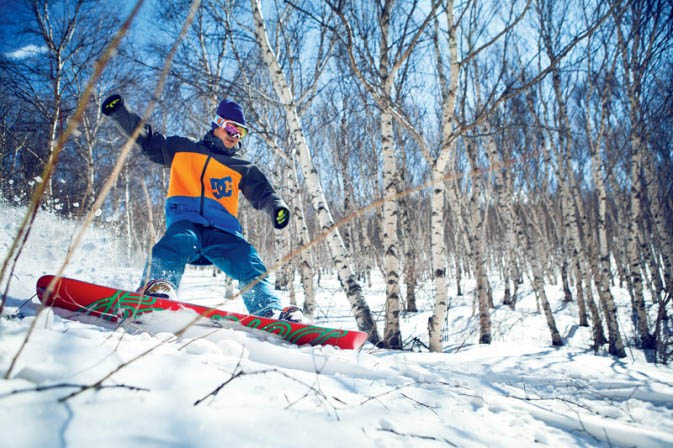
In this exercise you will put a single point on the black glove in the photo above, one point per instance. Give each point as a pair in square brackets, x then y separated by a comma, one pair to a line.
[281, 218]
[112, 104]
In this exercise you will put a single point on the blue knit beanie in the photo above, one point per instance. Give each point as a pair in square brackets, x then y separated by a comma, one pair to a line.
[231, 111]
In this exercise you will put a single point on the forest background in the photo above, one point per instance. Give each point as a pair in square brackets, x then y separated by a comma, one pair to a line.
[430, 140]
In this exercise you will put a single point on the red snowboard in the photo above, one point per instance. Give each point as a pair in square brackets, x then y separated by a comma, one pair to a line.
[112, 304]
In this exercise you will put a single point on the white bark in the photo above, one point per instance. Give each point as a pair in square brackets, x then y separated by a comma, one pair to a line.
[448, 88]
[382, 94]
[535, 257]
[306, 269]
[597, 252]
[662, 239]
[579, 255]
[596, 322]
[538, 285]
[392, 337]
[438, 254]
[634, 246]
[633, 67]
[410, 243]
[601, 270]
[339, 255]
[478, 252]
[504, 195]
[579, 288]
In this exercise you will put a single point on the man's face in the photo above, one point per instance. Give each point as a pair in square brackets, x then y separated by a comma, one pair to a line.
[228, 140]
[230, 133]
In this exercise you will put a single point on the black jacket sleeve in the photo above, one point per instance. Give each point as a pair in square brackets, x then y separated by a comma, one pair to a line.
[257, 189]
[158, 148]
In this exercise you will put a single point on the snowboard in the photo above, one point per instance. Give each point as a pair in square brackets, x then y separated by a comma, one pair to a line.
[115, 304]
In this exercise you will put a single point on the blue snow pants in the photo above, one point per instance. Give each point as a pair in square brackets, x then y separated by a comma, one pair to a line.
[184, 242]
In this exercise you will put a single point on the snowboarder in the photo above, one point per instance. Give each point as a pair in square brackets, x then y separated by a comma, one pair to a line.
[202, 206]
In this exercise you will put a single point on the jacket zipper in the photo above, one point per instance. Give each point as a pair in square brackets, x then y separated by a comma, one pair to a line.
[203, 186]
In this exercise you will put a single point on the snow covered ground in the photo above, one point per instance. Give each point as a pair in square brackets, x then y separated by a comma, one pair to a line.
[235, 388]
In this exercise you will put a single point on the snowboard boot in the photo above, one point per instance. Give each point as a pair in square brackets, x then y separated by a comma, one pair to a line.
[291, 313]
[162, 289]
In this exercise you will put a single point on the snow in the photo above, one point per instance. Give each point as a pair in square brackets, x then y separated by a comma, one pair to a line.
[211, 387]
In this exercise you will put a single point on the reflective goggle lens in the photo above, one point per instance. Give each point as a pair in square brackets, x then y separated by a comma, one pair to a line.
[235, 131]
[231, 127]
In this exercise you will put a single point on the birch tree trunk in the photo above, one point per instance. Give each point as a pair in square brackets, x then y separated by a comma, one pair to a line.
[450, 131]
[501, 198]
[282, 243]
[538, 286]
[579, 252]
[634, 247]
[305, 263]
[634, 65]
[570, 230]
[662, 239]
[392, 338]
[438, 257]
[595, 253]
[601, 270]
[306, 270]
[596, 322]
[56, 114]
[478, 252]
[410, 260]
[381, 90]
[129, 217]
[581, 301]
[340, 258]
[448, 89]
[85, 149]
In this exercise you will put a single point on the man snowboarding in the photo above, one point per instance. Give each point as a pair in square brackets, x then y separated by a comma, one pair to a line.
[202, 206]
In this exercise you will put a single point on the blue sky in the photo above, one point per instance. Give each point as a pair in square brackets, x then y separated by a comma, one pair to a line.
[15, 18]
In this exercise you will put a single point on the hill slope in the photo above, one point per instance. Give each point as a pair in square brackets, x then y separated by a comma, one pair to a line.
[241, 388]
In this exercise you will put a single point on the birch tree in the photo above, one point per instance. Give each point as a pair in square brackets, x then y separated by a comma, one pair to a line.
[340, 258]
[642, 36]
[392, 337]
[300, 233]
[378, 76]
[477, 230]
[385, 103]
[563, 140]
[68, 37]
[597, 255]
[450, 131]
[87, 143]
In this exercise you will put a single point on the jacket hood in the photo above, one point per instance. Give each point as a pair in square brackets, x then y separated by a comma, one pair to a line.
[215, 144]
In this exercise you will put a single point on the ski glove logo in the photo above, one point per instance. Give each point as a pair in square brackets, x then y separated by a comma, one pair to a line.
[281, 218]
[111, 104]
[221, 187]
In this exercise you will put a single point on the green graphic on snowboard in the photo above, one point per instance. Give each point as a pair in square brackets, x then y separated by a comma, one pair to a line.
[122, 305]
[128, 305]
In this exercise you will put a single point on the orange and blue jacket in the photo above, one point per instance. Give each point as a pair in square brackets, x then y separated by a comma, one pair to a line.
[205, 177]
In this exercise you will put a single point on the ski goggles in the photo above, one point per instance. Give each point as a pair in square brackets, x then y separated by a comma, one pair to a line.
[232, 128]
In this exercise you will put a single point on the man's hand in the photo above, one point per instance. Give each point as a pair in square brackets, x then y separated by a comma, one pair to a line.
[111, 104]
[281, 218]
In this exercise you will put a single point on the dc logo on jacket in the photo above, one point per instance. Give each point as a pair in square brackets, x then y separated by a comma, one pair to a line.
[221, 187]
